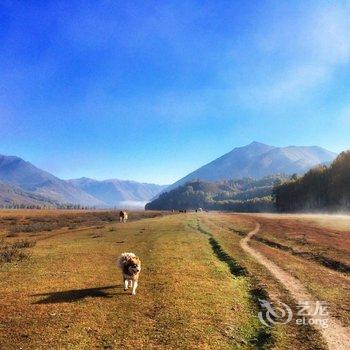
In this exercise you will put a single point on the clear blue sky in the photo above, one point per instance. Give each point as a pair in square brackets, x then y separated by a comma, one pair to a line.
[150, 91]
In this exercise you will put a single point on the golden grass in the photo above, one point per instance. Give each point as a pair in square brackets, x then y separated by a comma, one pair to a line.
[69, 294]
[323, 283]
[229, 230]
[315, 237]
[15, 223]
[338, 222]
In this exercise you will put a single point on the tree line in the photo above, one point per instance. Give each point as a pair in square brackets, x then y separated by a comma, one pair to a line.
[245, 195]
[321, 188]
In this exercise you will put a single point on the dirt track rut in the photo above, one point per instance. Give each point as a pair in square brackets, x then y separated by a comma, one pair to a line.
[335, 335]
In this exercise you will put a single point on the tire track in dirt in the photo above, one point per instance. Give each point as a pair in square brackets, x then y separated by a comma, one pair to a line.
[335, 335]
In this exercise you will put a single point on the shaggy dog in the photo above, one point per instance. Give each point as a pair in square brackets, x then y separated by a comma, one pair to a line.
[123, 216]
[130, 265]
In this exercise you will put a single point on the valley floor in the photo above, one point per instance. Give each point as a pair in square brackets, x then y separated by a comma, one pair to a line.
[199, 288]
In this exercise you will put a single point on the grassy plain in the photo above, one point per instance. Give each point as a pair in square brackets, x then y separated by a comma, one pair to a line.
[198, 288]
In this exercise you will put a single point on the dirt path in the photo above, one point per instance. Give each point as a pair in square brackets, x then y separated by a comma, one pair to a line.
[336, 336]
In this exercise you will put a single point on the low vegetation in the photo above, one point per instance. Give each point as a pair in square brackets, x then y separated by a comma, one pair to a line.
[12, 252]
[304, 237]
[16, 222]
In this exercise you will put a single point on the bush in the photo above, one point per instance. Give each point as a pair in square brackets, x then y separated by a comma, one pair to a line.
[10, 252]
[24, 243]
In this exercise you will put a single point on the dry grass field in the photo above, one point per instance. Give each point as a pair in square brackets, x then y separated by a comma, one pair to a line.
[198, 288]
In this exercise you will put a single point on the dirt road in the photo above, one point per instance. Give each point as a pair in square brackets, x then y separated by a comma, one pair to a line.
[336, 336]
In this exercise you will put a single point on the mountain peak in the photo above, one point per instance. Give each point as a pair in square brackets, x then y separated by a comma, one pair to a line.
[256, 143]
[257, 160]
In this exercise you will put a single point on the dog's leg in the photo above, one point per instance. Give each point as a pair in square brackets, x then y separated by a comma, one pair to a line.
[131, 283]
[134, 288]
[126, 284]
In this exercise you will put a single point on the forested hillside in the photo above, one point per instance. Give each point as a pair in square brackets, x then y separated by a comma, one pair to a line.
[235, 195]
[321, 188]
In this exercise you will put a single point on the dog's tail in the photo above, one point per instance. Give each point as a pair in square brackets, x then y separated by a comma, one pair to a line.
[124, 258]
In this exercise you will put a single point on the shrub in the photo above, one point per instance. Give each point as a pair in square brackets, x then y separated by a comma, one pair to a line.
[10, 252]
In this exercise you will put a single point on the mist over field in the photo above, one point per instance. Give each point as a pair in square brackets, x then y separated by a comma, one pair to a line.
[132, 205]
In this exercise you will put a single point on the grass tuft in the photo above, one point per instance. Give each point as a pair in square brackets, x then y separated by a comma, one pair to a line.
[10, 252]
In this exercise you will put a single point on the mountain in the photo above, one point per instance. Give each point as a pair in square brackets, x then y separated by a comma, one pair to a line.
[257, 160]
[114, 191]
[236, 195]
[23, 183]
[12, 195]
[24, 175]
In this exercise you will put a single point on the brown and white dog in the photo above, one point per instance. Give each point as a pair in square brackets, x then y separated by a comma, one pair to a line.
[130, 265]
[123, 216]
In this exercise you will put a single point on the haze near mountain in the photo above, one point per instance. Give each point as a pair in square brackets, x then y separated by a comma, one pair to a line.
[113, 191]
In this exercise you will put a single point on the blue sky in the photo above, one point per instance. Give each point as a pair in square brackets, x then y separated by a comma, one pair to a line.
[150, 91]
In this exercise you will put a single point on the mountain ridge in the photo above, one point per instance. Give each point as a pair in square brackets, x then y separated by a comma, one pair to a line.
[20, 173]
[22, 181]
[257, 160]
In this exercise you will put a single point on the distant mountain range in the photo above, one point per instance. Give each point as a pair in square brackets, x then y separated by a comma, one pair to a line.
[24, 175]
[258, 160]
[113, 191]
[23, 183]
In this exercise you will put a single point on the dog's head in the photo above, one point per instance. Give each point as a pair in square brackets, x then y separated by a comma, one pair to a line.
[133, 265]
